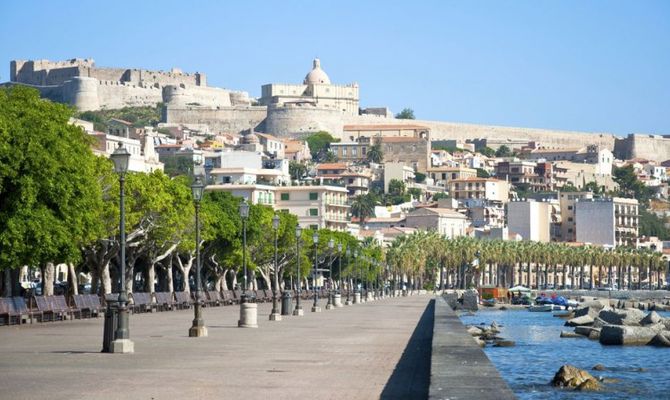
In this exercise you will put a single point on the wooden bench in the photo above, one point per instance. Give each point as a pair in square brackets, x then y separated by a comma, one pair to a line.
[183, 300]
[165, 301]
[143, 302]
[52, 308]
[214, 298]
[228, 297]
[14, 309]
[86, 305]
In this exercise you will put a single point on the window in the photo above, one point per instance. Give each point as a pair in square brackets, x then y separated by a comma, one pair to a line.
[314, 227]
[364, 150]
[313, 212]
[569, 207]
[354, 151]
[570, 219]
[351, 181]
[313, 196]
[570, 230]
[344, 151]
[284, 196]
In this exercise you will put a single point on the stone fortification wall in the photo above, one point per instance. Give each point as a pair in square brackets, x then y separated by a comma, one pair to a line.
[298, 119]
[229, 119]
[461, 131]
[182, 96]
[91, 94]
[651, 147]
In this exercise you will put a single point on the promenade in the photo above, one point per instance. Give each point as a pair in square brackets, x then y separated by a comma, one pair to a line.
[379, 349]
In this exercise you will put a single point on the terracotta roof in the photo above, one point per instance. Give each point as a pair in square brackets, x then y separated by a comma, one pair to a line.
[447, 212]
[293, 146]
[476, 180]
[567, 150]
[332, 166]
[383, 127]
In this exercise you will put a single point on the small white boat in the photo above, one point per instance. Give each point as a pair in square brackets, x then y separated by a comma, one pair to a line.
[541, 308]
[558, 308]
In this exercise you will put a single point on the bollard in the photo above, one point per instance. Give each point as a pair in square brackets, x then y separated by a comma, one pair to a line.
[286, 303]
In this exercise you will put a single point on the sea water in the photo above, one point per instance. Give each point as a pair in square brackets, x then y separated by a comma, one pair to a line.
[643, 372]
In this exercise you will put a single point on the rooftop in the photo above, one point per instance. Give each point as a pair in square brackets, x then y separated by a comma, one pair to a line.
[332, 166]
[383, 127]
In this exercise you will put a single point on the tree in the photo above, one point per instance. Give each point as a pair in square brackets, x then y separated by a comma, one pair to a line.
[503, 151]
[487, 151]
[363, 206]
[375, 154]
[47, 182]
[396, 187]
[569, 187]
[482, 173]
[652, 225]
[319, 143]
[419, 177]
[406, 113]
[297, 170]
[629, 185]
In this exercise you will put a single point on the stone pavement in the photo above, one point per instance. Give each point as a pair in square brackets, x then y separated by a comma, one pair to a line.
[379, 349]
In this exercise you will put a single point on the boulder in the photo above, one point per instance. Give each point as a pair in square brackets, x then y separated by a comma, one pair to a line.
[651, 319]
[504, 343]
[575, 378]
[480, 342]
[627, 317]
[628, 335]
[475, 331]
[662, 339]
[591, 308]
[471, 300]
[566, 334]
[599, 367]
[584, 320]
[584, 330]
[594, 334]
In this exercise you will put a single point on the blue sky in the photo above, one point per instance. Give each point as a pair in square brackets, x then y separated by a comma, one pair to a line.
[579, 65]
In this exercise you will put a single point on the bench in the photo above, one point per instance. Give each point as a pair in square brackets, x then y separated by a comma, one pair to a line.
[214, 298]
[164, 301]
[86, 304]
[54, 306]
[14, 309]
[142, 302]
[238, 295]
[183, 300]
[228, 297]
[202, 297]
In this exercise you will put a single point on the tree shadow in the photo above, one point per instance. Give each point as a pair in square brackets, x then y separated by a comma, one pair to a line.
[411, 376]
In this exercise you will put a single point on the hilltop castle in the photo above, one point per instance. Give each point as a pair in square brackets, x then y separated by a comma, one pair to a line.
[282, 110]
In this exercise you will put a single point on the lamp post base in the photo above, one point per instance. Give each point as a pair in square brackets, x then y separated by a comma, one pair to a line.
[329, 306]
[248, 315]
[348, 302]
[275, 317]
[298, 312]
[123, 346]
[338, 300]
[197, 331]
[316, 309]
[370, 296]
[357, 298]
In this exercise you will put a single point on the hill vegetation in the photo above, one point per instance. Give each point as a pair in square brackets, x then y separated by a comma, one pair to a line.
[138, 116]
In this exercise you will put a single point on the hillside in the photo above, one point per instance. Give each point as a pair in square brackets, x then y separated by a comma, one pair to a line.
[138, 116]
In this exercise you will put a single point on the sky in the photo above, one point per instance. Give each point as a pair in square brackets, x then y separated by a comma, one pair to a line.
[596, 66]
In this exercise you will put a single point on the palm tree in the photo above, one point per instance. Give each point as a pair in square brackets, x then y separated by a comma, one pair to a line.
[375, 154]
[363, 207]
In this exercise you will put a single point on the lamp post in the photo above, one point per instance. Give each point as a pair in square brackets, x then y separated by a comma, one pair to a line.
[350, 281]
[198, 329]
[122, 342]
[298, 236]
[248, 308]
[315, 240]
[338, 291]
[357, 292]
[331, 246]
[275, 315]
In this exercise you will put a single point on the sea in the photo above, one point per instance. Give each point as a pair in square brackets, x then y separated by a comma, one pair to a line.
[641, 372]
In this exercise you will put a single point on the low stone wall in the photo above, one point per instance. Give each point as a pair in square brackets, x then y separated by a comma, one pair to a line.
[615, 294]
[459, 367]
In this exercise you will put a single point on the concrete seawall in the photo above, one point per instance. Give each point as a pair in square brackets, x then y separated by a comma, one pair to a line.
[459, 367]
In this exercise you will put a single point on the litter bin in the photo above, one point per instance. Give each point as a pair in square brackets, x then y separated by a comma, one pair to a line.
[286, 304]
[111, 322]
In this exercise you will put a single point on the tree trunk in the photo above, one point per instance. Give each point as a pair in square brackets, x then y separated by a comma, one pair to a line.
[48, 279]
[7, 283]
[106, 280]
[73, 280]
[149, 285]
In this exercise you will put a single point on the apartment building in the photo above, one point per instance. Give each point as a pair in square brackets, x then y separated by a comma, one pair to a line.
[480, 188]
[531, 219]
[567, 201]
[444, 174]
[607, 221]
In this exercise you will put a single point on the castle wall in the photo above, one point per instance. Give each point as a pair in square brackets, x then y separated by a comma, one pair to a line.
[182, 96]
[299, 119]
[650, 147]
[229, 119]
[461, 131]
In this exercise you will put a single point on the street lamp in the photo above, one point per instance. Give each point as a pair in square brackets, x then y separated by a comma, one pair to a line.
[338, 290]
[122, 342]
[198, 329]
[248, 308]
[357, 290]
[349, 280]
[298, 236]
[275, 315]
[315, 306]
[331, 246]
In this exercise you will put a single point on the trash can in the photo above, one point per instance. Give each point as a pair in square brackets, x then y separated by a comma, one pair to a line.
[286, 304]
[111, 322]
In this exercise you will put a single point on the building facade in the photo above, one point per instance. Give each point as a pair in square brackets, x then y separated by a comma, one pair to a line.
[607, 221]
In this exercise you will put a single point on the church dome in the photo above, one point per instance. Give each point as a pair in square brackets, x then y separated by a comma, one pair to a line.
[317, 75]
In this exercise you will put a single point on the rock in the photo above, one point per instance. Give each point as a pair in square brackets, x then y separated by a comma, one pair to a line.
[584, 330]
[471, 300]
[575, 378]
[475, 331]
[480, 342]
[584, 320]
[608, 380]
[599, 367]
[651, 319]
[503, 308]
[566, 334]
[627, 317]
[662, 339]
[591, 308]
[628, 335]
[594, 334]
[504, 343]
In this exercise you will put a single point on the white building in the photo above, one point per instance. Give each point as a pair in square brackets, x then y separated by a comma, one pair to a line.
[568, 202]
[444, 221]
[609, 221]
[399, 171]
[530, 219]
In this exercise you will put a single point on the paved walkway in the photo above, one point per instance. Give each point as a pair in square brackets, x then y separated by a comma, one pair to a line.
[367, 351]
